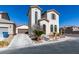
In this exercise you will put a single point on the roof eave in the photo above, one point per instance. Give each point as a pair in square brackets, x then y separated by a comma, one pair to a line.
[54, 11]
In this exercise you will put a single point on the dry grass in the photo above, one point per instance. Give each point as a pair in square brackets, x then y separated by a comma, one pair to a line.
[9, 39]
[3, 44]
[6, 41]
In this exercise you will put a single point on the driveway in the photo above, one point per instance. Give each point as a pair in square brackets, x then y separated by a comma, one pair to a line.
[66, 47]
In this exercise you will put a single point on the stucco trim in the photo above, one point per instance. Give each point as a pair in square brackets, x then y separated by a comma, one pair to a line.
[33, 6]
[43, 19]
[6, 23]
[53, 11]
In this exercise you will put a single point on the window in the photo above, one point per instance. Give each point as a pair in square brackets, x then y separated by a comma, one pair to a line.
[36, 17]
[5, 16]
[55, 28]
[51, 28]
[53, 16]
[44, 27]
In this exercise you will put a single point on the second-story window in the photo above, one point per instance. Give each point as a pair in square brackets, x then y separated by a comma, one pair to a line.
[53, 16]
[36, 17]
[51, 28]
[44, 27]
[55, 27]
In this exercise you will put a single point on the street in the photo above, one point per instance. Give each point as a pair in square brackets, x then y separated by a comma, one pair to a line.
[66, 47]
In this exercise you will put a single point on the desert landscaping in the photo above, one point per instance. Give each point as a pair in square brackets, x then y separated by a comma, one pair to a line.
[41, 34]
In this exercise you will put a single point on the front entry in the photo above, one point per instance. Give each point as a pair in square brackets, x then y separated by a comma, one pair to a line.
[44, 28]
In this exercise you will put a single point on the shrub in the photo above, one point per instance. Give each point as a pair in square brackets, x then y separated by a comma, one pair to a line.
[38, 32]
[3, 43]
[56, 34]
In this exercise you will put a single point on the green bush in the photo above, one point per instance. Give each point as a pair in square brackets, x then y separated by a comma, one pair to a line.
[38, 32]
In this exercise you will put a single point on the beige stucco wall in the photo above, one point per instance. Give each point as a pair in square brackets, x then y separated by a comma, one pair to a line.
[33, 10]
[47, 26]
[32, 18]
[52, 21]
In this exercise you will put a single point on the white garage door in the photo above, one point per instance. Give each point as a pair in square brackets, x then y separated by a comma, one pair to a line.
[3, 30]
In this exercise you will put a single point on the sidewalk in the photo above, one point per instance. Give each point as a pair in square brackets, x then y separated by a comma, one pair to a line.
[46, 42]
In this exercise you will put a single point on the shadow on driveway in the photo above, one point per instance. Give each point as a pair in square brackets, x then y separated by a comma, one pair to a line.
[67, 47]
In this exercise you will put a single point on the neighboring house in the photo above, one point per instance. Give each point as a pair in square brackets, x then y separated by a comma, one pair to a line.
[47, 21]
[70, 30]
[22, 29]
[7, 27]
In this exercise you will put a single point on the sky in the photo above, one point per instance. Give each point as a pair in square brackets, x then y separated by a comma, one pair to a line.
[69, 14]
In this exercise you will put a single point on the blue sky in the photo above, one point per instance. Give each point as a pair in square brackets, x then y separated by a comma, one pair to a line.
[69, 14]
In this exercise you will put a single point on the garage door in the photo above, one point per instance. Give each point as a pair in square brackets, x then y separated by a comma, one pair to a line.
[3, 32]
[22, 31]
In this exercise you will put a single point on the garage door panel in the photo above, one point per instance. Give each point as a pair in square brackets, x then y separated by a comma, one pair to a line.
[3, 32]
[3, 29]
[22, 30]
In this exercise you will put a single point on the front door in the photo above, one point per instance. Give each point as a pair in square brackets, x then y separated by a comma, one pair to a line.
[44, 28]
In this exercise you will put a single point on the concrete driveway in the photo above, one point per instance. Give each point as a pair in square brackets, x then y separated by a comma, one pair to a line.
[67, 47]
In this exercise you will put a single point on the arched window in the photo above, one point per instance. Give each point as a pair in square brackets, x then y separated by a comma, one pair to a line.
[55, 28]
[36, 15]
[44, 27]
[51, 28]
[53, 16]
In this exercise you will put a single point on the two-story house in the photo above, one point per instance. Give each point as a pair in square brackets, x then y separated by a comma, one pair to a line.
[48, 21]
